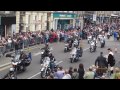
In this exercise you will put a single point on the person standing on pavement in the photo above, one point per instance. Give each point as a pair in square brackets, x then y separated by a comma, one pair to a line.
[60, 73]
[1, 46]
[16, 47]
[81, 71]
[101, 61]
[66, 75]
[111, 59]
[115, 35]
[75, 74]
[70, 71]
[90, 74]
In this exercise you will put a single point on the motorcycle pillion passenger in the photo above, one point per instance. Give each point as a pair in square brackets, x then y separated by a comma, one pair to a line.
[52, 58]
[23, 55]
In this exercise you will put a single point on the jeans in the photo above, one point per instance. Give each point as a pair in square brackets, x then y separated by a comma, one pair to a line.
[16, 52]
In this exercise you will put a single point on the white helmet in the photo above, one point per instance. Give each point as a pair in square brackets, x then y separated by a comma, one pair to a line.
[11, 69]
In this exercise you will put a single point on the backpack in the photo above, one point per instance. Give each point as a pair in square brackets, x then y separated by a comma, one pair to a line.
[114, 60]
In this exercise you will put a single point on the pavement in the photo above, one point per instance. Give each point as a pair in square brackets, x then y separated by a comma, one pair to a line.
[62, 59]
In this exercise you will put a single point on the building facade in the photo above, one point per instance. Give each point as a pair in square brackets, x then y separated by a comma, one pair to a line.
[63, 20]
[44, 20]
[31, 21]
[47, 20]
[7, 23]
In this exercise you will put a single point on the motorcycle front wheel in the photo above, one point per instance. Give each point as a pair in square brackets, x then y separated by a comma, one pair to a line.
[41, 60]
[43, 74]
[91, 50]
[71, 60]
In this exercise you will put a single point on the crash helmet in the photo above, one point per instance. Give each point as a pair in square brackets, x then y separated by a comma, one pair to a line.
[47, 44]
[11, 69]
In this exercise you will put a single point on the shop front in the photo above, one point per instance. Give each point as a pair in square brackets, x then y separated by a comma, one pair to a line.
[63, 21]
[88, 19]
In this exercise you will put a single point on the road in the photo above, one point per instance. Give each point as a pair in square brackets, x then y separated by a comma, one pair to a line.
[88, 59]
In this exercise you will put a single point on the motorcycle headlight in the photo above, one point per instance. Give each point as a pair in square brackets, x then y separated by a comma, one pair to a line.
[41, 65]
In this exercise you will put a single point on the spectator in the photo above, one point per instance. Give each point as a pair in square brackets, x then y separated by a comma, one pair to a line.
[90, 74]
[81, 71]
[50, 76]
[55, 74]
[1, 46]
[116, 75]
[60, 73]
[75, 74]
[66, 75]
[16, 47]
[70, 71]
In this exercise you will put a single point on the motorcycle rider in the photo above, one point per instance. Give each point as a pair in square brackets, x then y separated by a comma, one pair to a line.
[52, 60]
[46, 48]
[46, 52]
[102, 39]
[79, 52]
[23, 55]
[93, 45]
[95, 41]
[11, 74]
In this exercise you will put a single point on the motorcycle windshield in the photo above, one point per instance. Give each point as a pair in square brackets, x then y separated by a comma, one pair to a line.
[17, 57]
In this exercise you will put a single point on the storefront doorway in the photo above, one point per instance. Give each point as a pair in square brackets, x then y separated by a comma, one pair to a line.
[63, 24]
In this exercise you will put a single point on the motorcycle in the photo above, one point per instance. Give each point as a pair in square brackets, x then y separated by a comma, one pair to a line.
[108, 35]
[73, 57]
[43, 56]
[19, 65]
[66, 47]
[11, 74]
[89, 39]
[76, 43]
[102, 42]
[92, 47]
[45, 68]
[99, 37]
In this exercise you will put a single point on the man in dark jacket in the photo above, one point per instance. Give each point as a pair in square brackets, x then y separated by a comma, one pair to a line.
[101, 61]
[16, 47]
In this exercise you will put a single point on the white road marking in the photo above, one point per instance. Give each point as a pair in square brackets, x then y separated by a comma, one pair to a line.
[5, 64]
[59, 62]
[34, 75]
[85, 49]
[40, 72]
[36, 54]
